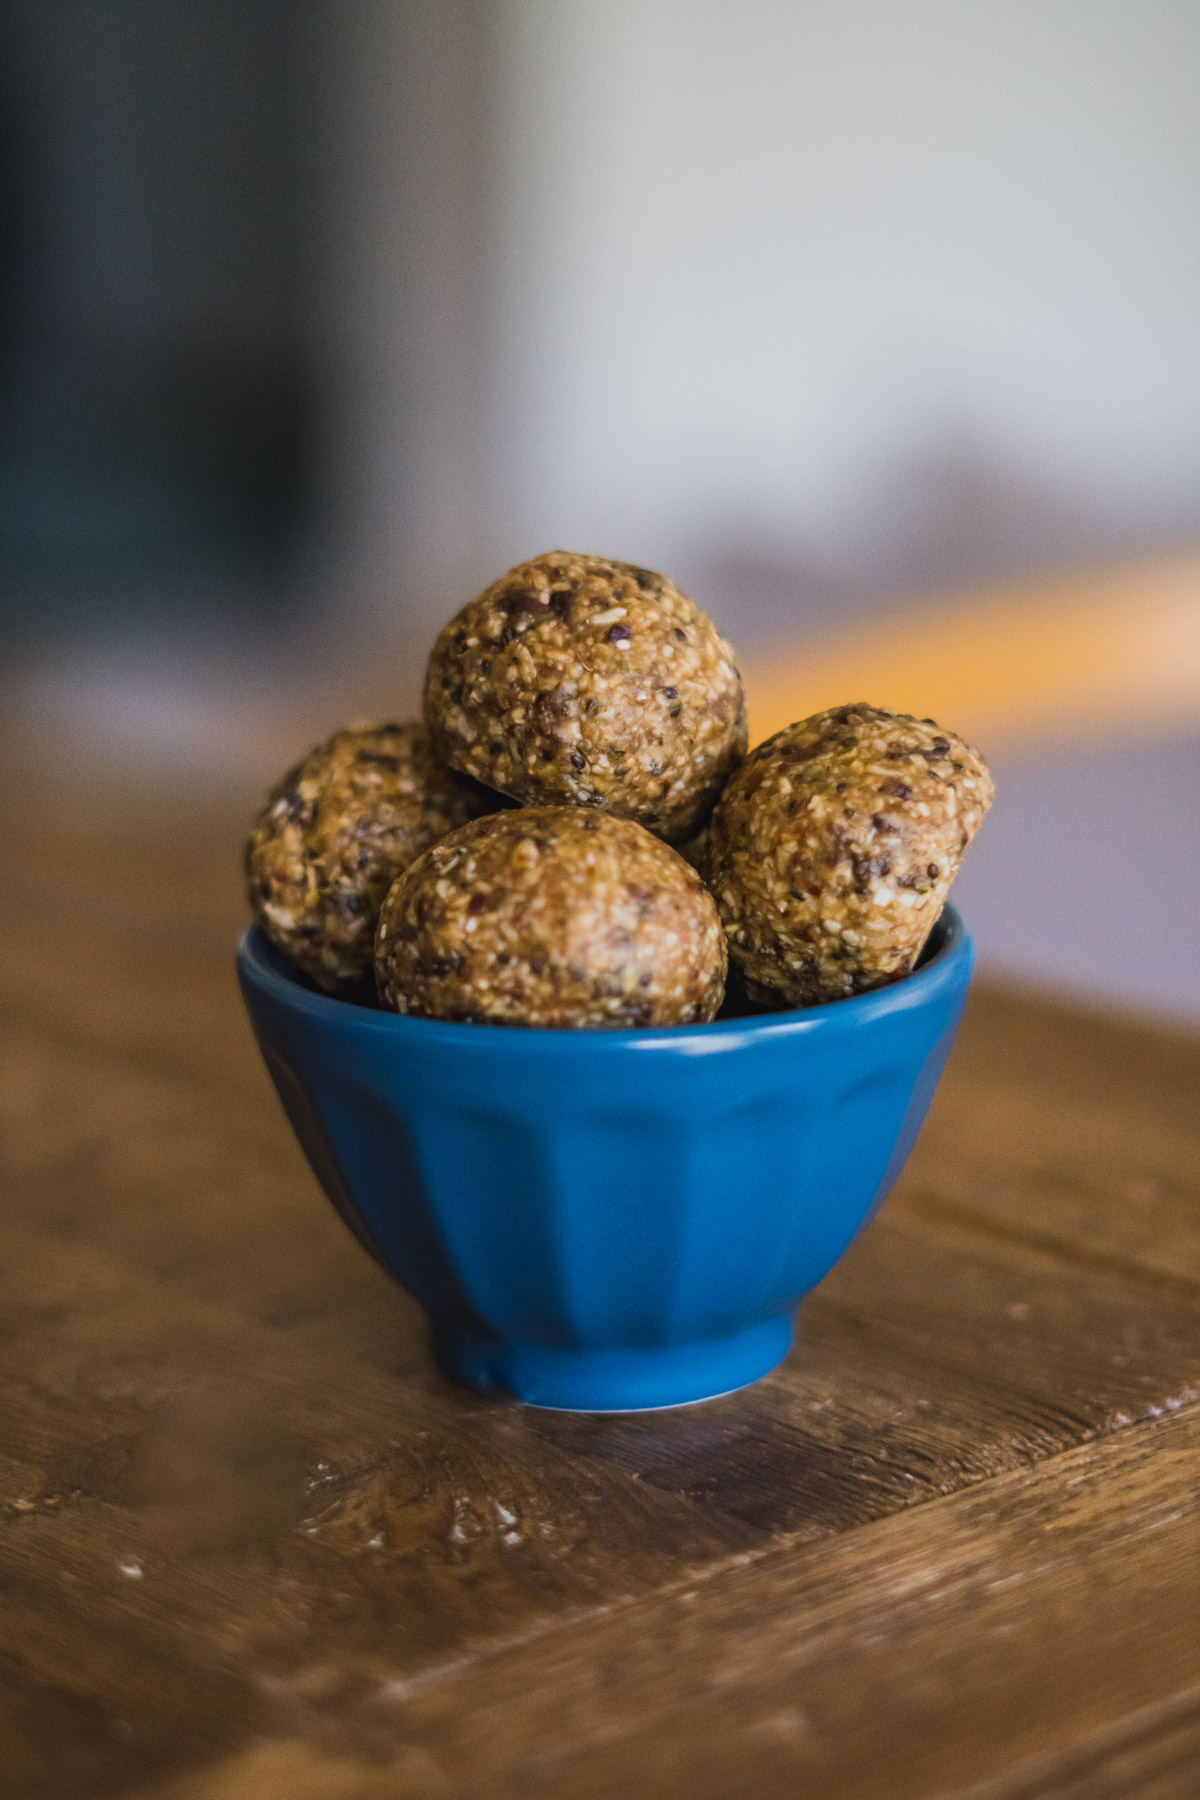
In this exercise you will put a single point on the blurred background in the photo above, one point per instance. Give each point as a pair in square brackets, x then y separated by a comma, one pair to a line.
[876, 323]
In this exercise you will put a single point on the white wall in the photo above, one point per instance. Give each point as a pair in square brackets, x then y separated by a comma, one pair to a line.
[768, 270]
[864, 292]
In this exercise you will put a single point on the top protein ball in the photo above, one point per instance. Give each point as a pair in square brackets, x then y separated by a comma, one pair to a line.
[576, 681]
[333, 837]
[833, 847]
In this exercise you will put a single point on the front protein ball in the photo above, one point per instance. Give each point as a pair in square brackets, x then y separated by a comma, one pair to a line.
[551, 916]
[334, 835]
[582, 682]
[833, 848]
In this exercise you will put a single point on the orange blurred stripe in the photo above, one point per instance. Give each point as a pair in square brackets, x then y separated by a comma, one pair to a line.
[1115, 651]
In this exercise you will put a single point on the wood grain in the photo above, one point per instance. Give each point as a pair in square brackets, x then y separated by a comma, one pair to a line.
[1016, 1617]
[252, 1543]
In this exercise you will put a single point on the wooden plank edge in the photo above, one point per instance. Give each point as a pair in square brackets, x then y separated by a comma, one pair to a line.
[710, 1680]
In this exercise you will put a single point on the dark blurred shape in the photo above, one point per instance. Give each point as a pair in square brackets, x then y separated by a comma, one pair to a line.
[157, 409]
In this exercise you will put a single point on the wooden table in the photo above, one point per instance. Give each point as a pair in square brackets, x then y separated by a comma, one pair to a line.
[254, 1546]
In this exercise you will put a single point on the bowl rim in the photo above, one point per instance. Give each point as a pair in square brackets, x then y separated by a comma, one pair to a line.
[262, 965]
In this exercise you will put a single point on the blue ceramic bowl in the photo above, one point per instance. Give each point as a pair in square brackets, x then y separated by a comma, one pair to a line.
[609, 1220]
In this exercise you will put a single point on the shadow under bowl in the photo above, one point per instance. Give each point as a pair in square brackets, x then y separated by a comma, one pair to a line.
[607, 1221]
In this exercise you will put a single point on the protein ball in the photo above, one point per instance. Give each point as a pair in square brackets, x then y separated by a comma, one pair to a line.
[552, 916]
[833, 847]
[577, 681]
[334, 835]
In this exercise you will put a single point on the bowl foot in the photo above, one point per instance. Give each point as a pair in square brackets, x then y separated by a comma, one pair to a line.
[614, 1380]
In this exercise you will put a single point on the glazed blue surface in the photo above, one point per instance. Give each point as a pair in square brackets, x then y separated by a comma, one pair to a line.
[606, 1220]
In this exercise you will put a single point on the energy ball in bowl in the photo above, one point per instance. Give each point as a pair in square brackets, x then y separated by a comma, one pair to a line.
[334, 835]
[581, 682]
[552, 916]
[833, 847]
